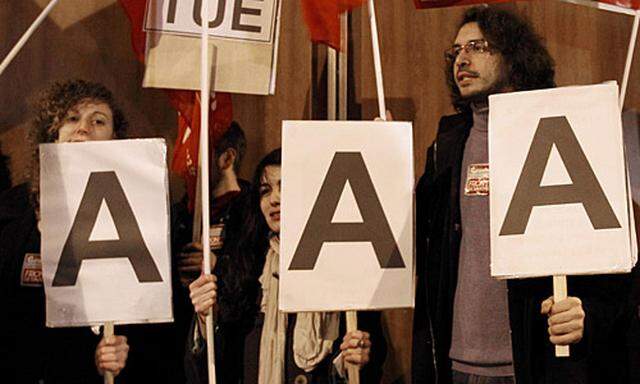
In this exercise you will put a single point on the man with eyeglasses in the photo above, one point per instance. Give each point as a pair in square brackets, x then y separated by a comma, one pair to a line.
[469, 327]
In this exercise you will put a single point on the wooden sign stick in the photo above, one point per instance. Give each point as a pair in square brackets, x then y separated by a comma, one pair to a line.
[352, 325]
[107, 331]
[25, 37]
[352, 316]
[205, 93]
[377, 62]
[560, 293]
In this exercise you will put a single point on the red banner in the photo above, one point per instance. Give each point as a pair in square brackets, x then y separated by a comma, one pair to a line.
[451, 3]
[635, 4]
[323, 19]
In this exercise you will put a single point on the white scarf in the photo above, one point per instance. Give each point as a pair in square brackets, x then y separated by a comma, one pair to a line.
[313, 335]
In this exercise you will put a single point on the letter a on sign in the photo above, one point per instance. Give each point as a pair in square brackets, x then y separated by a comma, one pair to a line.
[105, 232]
[559, 201]
[585, 188]
[104, 186]
[346, 238]
[347, 167]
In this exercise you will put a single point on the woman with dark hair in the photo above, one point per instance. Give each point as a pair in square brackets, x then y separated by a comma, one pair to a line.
[67, 112]
[276, 347]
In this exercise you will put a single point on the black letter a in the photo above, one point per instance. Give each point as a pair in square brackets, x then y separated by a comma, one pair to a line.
[104, 186]
[585, 188]
[347, 166]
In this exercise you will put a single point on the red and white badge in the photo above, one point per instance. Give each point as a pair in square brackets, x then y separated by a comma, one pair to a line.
[216, 236]
[31, 275]
[477, 180]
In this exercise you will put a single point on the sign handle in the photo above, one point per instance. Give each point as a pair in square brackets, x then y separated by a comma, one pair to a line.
[352, 325]
[343, 61]
[107, 331]
[25, 37]
[560, 293]
[205, 94]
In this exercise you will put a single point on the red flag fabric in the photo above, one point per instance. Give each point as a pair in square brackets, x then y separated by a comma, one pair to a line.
[187, 103]
[185, 153]
[635, 4]
[450, 3]
[323, 19]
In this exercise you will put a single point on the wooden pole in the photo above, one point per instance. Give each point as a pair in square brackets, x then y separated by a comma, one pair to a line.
[196, 234]
[352, 325]
[630, 51]
[352, 316]
[107, 331]
[331, 83]
[25, 37]
[377, 62]
[205, 93]
[559, 294]
[343, 67]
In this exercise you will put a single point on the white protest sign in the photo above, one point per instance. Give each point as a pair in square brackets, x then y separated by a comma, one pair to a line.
[243, 39]
[248, 20]
[347, 216]
[105, 232]
[559, 198]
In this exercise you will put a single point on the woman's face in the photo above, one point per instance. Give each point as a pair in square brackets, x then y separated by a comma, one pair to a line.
[270, 196]
[88, 120]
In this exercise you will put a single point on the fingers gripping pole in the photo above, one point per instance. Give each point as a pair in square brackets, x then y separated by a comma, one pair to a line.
[108, 332]
[630, 51]
[559, 294]
[376, 60]
[205, 94]
[25, 37]
[352, 325]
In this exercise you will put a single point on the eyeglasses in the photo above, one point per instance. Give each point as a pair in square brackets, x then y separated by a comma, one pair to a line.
[473, 46]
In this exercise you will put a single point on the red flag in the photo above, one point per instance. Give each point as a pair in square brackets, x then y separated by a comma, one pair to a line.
[624, 3]
[451, 3]
[185, 153]
[323, 19]
[187, 103]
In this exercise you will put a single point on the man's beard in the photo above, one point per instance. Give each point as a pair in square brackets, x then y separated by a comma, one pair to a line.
[482, 97]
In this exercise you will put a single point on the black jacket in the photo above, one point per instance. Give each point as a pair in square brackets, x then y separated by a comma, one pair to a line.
[599, 357]
[30, 352]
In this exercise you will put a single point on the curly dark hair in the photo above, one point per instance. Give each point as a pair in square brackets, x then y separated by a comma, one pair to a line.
[55, 102]
[525, 60]
[50, 112]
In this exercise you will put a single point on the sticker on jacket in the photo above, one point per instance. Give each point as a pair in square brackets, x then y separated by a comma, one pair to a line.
[216, 236]
[477, 180]
[31, 275]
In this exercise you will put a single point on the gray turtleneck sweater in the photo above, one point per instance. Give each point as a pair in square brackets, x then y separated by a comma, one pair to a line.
[481, 341]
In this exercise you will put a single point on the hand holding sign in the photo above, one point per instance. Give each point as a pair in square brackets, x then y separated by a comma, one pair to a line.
[204, 296]
[111, 354]
[566, 320]
[560, 200]
[356, 347]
